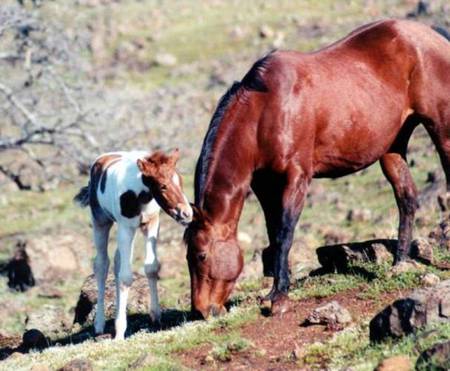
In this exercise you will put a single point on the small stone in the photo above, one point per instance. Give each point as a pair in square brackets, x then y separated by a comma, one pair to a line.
[244, 237]
[265, 32]
[359, 215]
[330, 313]
[422, 251]
[39, 367]
[396, 363]
[77, 364]
[404, 267]
[430, 279]
[146, 359]
[165, 59]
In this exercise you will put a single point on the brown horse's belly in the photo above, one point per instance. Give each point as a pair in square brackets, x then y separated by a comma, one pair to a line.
[349, 151]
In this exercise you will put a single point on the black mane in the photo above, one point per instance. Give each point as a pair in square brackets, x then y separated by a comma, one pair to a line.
[252, 81]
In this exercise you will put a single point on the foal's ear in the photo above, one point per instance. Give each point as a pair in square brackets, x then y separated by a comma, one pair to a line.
[146, 167]
[174, 156]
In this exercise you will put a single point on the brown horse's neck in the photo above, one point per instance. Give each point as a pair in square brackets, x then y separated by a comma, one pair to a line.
[228, 177]
[227, 161]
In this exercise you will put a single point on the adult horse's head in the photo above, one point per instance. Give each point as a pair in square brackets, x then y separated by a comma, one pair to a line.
[160, 175]
[215, 262]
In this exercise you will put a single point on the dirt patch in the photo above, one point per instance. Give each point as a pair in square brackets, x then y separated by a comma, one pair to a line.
[278, 343]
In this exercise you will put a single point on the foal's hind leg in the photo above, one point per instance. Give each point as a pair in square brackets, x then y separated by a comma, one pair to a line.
[397, 172]
[101, 266]
[123, 275]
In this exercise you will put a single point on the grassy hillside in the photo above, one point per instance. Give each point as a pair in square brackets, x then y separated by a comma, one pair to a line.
[214, 43]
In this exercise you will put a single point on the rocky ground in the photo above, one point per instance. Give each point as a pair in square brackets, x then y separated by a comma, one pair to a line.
[163, 68]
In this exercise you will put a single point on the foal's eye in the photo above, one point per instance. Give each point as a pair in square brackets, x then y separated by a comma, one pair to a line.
[202, 256]
[163, 188]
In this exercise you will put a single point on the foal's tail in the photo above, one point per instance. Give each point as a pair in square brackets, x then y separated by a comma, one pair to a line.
[82, 197]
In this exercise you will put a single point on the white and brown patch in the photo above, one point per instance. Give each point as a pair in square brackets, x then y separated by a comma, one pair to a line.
[98, 179]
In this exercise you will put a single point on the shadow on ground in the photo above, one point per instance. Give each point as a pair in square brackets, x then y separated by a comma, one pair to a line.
[136, 322]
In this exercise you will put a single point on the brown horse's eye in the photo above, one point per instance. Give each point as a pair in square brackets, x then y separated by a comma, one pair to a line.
[202, 256]
[163, 188]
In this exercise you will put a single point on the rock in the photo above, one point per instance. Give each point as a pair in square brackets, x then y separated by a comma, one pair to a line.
[405, 267]
[165, 59]
[278, 40]
[146, 359]
[50, 320]
[435, 358]
[421, 308]
[339, 257]
[34, 339]
[441, 234]
[39, 367]
[237, 33]
[53, 258]
[49, 292]
[77, 364]
[265, 32]
[330, 313]
[244, 237]
[395, 363]
[20, 275]
[138, 298]
[430, 279]
[359, 215]
[422, 251]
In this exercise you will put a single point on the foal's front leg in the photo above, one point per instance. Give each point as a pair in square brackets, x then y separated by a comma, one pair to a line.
[150, 229]
[124, 275]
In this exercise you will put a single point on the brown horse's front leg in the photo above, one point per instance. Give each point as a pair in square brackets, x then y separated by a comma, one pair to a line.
[397, 173]
[291, 207]
[268, 260]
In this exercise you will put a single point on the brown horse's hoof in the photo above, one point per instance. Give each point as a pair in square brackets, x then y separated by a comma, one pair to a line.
[280, 305]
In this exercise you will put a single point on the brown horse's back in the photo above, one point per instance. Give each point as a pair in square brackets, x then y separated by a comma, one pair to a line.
[353, 97]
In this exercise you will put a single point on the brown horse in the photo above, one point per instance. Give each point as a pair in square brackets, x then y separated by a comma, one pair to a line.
[297, 116]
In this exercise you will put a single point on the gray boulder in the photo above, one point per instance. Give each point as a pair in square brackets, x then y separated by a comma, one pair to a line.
[421, 308]
[51, 320]
[435, 358]
[337, 258]
[138, 298]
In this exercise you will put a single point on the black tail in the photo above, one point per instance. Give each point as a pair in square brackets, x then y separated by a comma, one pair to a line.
[82, 197]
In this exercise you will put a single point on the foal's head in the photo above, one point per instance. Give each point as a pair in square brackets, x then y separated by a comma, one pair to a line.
[215, 261]
[160, 176]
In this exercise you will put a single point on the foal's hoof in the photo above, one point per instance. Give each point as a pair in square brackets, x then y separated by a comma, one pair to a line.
[280, 305]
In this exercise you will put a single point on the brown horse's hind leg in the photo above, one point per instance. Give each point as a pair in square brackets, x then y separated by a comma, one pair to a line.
[396, 171]
[441, 139]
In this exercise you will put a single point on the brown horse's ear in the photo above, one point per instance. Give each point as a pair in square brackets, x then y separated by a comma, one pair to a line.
[197, 214]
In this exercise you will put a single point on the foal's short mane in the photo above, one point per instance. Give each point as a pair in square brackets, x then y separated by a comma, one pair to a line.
[252, 81]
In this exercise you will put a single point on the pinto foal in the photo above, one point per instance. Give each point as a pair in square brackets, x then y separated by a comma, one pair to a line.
[130, 188]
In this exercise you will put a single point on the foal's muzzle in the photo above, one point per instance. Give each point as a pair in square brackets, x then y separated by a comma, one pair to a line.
[183, 214]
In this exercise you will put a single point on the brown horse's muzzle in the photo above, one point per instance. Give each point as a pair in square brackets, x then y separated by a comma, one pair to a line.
[210, 300]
